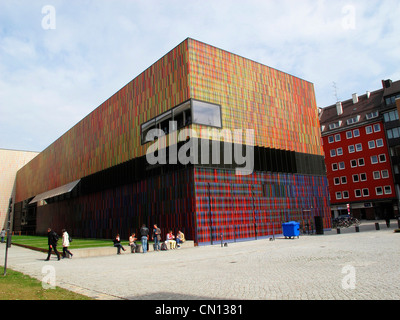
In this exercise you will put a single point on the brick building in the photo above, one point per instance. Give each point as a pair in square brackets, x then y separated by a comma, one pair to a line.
[360, 141]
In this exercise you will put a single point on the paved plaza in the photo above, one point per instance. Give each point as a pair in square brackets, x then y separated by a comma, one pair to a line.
[363, 265]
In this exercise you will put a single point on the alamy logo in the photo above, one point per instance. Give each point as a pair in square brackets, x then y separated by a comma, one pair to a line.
[196, 147]
[349, 280]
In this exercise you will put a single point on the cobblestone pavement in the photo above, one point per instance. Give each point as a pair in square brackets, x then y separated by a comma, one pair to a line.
[350, 265]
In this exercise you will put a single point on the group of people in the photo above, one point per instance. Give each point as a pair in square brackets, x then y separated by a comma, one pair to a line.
[52, 241]
[171, 241]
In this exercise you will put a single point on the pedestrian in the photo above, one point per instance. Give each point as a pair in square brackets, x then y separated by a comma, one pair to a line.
[52, 238]
[117, 244]
[132, 242]
[65, 244]
[144, 232]
[156, 237]
[2, 235]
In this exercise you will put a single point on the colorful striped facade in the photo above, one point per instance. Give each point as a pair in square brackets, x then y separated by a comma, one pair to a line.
[118, 190]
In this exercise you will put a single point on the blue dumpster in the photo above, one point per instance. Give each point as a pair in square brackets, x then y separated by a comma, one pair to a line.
[291, 229]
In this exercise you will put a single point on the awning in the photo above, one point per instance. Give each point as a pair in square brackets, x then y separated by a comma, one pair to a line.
[66, 188]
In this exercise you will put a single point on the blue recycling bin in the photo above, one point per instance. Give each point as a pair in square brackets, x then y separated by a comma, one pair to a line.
[291, 229]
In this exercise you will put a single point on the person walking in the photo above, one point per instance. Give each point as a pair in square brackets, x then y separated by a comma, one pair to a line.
[144, 232]
[65, 244]
[2, 235]
[52, 239]
[156, 237]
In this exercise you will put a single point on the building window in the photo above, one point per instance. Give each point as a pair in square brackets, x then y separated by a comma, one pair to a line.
[335, 125]
[353, 120]
[382, 158]
[356, 178]
[358, 147]
[336, 181]
[345, 194]
[365, 192]
[374, 159]
[331, 139]
[393, 133]
[333, 153]
[334, 167]
[357, 193]
[368, 130]
[204, 113]
[182, 114]
[338, 195]
[371, 144]
[356, 133]
[361, 162]
[372, 115]
[379, 191]
[379, 143]
[344, 180]
[385, 174]
[349, 135]
[341, 166]
[388, 190]
[339, 151]
[391, 116]
[377, 127]
[147, 131]
[353, 163]
[363, 176]
[376, 175]
[337, 137]
[351, 149]
[207, 114]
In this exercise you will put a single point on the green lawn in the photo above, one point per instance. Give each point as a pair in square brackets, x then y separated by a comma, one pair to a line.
[18, 286]
[41, 242]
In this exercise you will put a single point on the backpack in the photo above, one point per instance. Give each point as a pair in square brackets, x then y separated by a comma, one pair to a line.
[163, 246]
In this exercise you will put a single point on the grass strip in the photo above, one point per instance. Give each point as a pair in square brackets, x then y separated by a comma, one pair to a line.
[18, 286]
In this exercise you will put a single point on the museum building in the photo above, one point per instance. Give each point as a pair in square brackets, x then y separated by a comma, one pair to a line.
[203, 141]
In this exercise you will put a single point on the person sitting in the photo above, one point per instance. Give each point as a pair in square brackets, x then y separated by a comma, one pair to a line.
[118, 245]
[170, 240]
[132, 242]
[180, 238]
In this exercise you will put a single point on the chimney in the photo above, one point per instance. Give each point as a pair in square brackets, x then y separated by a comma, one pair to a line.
[339, 108]
[368, 94]
[355, 98]
[386, 83]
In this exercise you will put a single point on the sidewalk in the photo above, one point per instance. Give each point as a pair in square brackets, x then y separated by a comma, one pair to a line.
[311, 268]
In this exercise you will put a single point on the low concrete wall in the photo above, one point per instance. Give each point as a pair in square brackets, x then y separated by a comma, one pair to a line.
[103, 251]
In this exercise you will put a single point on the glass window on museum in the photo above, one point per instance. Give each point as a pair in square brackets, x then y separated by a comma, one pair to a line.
[191, 111]
[206, 114]
[147, 134]
[182, 115]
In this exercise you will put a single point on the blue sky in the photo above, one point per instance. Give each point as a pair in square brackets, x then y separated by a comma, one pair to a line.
[51, 78]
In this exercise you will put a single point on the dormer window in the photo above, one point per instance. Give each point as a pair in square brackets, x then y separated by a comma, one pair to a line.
[353, 120]
[335, 125]
[372, 115]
